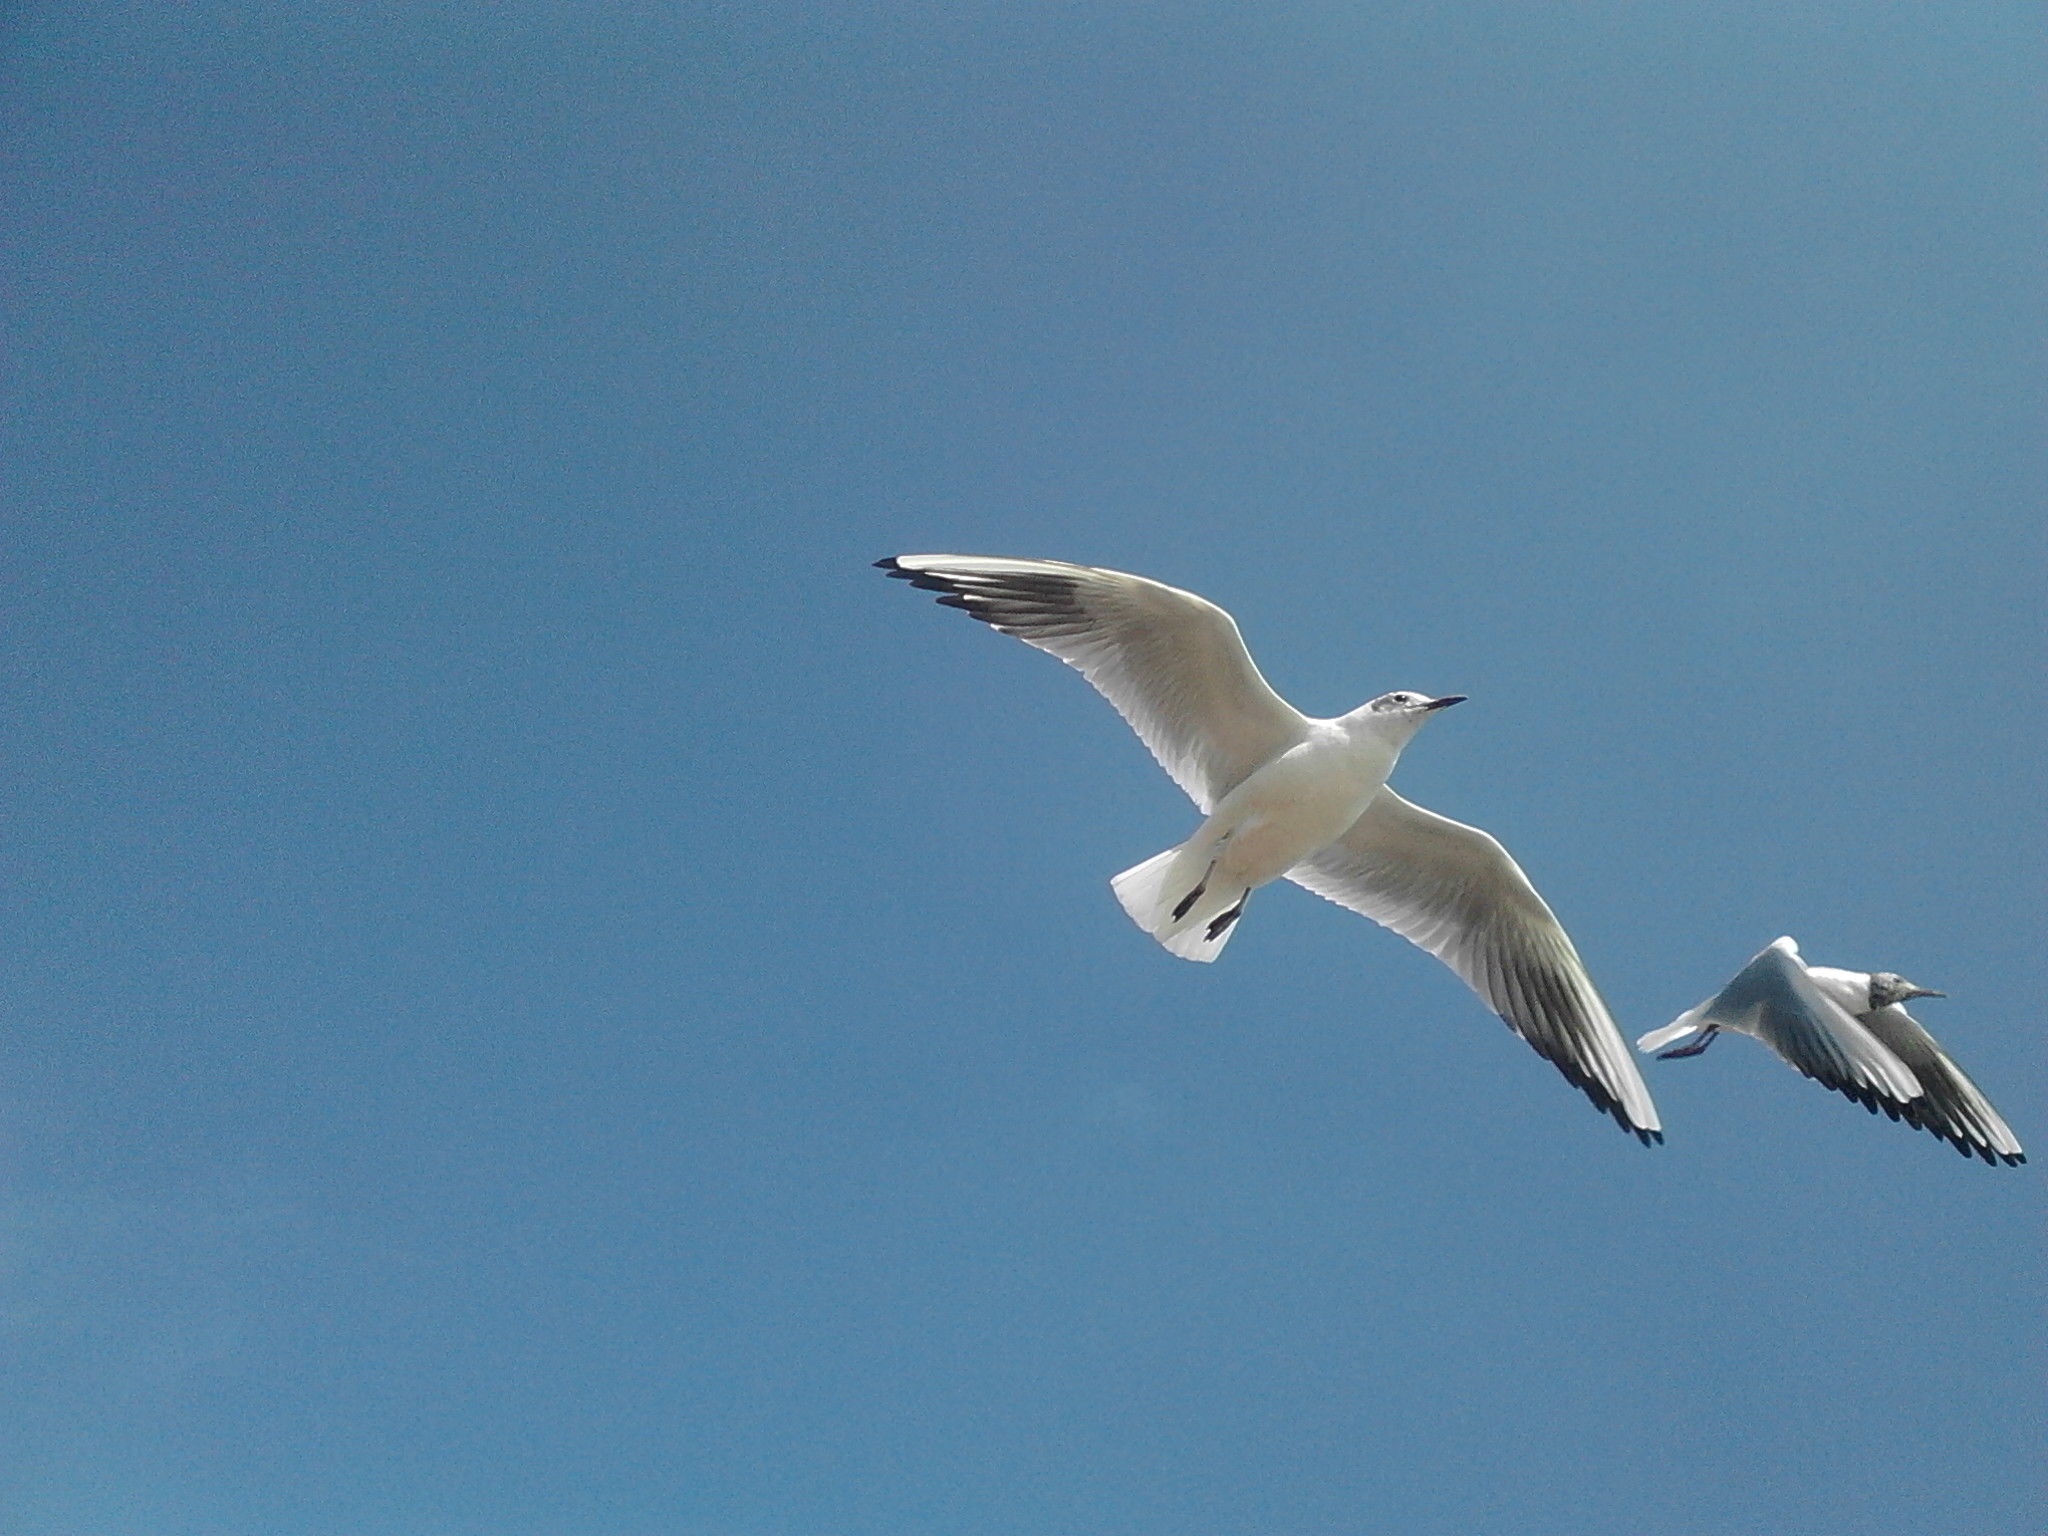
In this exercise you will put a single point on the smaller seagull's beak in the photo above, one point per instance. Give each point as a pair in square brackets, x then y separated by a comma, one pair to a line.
[1446, 701]
[1913, 991]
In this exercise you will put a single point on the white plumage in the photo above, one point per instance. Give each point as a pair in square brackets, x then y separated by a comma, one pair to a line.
[1286, 795]
[1848, 1031]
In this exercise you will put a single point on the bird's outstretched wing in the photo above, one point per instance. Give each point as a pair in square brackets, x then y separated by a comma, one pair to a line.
[1453, 890]
[1951, 1106]
[1172, 663]
[1774, 999]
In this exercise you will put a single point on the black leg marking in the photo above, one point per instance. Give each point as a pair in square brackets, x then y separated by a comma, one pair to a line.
[1222, 923]
[1694, 1049]
[1195, 895]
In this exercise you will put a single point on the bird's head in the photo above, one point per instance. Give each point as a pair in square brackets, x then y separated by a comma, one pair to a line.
[1889, 987]
[1399, 715]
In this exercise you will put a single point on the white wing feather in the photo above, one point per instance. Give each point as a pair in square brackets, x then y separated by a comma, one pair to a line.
[1453, 890]
[1172, 663]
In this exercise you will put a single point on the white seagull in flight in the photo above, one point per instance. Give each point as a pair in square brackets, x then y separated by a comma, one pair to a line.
[1307, 799]
[1847, 1031]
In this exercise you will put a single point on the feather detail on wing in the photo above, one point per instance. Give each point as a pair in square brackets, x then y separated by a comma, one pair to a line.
[1951, 1106]
[1453, 890]
[1172, 663]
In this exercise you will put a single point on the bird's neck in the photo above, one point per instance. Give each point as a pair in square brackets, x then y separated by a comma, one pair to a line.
[1391, 731]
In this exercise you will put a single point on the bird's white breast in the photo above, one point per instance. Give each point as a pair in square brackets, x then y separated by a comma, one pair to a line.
[1299, 803]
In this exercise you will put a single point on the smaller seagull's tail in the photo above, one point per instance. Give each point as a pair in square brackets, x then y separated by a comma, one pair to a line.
[1691, 1022]
[1172, 897]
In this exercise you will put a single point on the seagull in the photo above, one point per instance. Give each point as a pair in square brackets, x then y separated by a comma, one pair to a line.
[1847, 1031]
[1285, 795]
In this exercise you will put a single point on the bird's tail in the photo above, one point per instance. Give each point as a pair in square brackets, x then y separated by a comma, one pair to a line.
[1173, 897]
[1691, 1022]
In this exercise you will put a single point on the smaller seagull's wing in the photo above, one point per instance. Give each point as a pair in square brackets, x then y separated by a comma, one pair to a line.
[1951, 1107]
[1774, 999]
[1453, 890]
[1172, 663]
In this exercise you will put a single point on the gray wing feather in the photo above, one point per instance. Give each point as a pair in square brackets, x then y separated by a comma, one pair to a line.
[1952, 1107]
[1172, 663]
[1453, 890]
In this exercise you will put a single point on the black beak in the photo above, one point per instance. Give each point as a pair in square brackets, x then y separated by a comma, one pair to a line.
[1912, 991]
[1446, 701]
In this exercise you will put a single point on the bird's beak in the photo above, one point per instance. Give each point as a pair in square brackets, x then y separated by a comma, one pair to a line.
[1446, 701]
[1913, 991]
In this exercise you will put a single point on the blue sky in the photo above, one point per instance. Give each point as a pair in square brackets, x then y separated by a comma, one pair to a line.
[543, 996]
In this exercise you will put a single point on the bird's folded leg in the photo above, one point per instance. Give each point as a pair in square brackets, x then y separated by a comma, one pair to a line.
[1225, 919]
[1195, 895]
[1706, 1039]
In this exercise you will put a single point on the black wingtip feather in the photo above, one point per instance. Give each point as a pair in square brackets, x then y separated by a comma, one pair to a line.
[1912, 1113]
[1603, 1101]
[1596, 1092]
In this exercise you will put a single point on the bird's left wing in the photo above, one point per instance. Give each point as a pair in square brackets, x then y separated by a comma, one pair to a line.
[1172, 663]
[1453, 890]
[1952, 1106]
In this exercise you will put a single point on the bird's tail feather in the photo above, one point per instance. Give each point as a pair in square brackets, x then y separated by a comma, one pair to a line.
[1692, 1021]
[1172, 898]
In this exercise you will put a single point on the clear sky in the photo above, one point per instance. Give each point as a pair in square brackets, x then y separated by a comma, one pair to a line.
[541, 996]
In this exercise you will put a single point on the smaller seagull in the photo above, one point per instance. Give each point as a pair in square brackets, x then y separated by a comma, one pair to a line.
[1847, 1031]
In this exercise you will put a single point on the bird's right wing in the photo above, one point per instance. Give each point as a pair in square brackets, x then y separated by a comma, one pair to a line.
[1774, 999]
[1952, 1107]
[1172, 663]
[1454, 891]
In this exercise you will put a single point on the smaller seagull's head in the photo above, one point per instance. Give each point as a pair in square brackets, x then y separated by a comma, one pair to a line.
[1889, 987]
